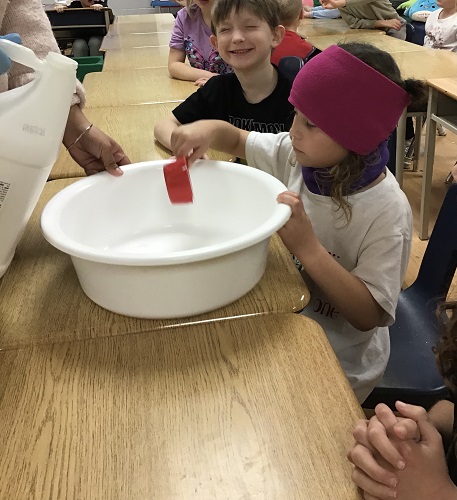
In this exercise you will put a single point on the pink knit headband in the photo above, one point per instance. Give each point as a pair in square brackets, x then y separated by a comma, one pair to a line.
[351, 102]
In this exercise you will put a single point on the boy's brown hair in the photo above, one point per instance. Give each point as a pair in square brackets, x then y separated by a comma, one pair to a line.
[289, 11]
[267, 10]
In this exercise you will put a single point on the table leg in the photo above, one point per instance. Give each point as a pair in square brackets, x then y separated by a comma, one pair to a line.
[400, 148]
[429, 158]
[417, 142]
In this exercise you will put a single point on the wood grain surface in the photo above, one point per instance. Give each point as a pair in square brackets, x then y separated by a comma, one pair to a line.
[137, 58]
[133, 128]
[447, 86]
[136, 86]
[253, 408]
[159, 20]
[387, 43]
[141, 27]
[41, 300]
[323, 27]
[132, 40]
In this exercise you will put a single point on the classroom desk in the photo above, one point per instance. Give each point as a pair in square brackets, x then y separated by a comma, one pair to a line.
[137, 58]
[132, 40]
[323, 27]
[165, 19]
[247, 408]
[136, 86]
[43, 302]
[427, 63]
[132, 127]
[140, 27]
[387, 43]
[442, 108]
[422, 65]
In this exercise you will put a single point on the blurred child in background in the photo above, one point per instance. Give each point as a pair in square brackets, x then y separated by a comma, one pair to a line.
[291, 12]
[191, 38]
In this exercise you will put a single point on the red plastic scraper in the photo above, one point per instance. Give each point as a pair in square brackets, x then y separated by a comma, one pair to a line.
[177, 180]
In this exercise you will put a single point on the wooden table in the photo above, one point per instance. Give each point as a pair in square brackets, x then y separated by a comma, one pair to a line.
[136, 86]
[387, 43]
[427, 63]
[323, 27]
[422, 65]
[43, 302]
[160, 20]
[133, 40]
[132, 127]
[246, 408]
[442, 108]
[140, 27]
[139, 57]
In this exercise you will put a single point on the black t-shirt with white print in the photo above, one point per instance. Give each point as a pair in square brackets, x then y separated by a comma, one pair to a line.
[222, 98]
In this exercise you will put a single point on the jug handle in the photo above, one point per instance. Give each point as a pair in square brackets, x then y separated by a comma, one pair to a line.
[21, 55]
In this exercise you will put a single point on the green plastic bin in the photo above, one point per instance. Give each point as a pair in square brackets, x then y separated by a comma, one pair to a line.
[90, 64]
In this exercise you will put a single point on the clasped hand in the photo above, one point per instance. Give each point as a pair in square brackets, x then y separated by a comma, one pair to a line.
[400, 457]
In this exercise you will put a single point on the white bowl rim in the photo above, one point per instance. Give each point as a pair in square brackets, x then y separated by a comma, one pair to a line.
[53, 233]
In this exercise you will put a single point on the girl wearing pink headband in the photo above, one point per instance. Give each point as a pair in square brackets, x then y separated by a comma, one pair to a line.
[351, 224]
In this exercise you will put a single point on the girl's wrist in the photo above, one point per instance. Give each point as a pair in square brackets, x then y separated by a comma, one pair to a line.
[311, 254]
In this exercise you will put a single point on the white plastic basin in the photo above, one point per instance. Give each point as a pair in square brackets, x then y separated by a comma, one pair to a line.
[137, 254]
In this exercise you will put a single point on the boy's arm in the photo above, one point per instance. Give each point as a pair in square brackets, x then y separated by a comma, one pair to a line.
[195, 139]
[356, 23]
[180, 70]
[164, 128]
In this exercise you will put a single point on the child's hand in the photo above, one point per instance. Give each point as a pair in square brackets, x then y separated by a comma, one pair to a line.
[333, 4]
[395, 24]
[426, 474]
[297, 234]
[377, 452]
[97, 6]
[201, 81]
[191, 140]
[59, 8]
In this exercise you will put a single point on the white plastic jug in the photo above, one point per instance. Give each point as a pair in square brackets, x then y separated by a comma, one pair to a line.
[32, 123]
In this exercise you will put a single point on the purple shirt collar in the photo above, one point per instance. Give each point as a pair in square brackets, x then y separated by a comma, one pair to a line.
[317, 180]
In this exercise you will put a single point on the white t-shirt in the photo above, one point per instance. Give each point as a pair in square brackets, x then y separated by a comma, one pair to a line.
[374, 246]
[441, 33]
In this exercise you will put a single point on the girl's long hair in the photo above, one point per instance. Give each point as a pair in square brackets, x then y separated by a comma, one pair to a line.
[352, 168]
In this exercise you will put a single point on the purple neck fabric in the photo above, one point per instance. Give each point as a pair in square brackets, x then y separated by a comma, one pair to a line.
[319, 180]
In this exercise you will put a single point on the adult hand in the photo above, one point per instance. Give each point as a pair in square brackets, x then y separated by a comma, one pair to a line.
[333, 4]
[93, 150]
[59, 8]
[97, 6]
[5, 61]
[96, 151]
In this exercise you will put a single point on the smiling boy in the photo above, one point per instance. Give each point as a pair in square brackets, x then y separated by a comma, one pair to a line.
[255, 96]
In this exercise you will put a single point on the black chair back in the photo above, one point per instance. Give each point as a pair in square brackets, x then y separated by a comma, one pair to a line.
[289, 66]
